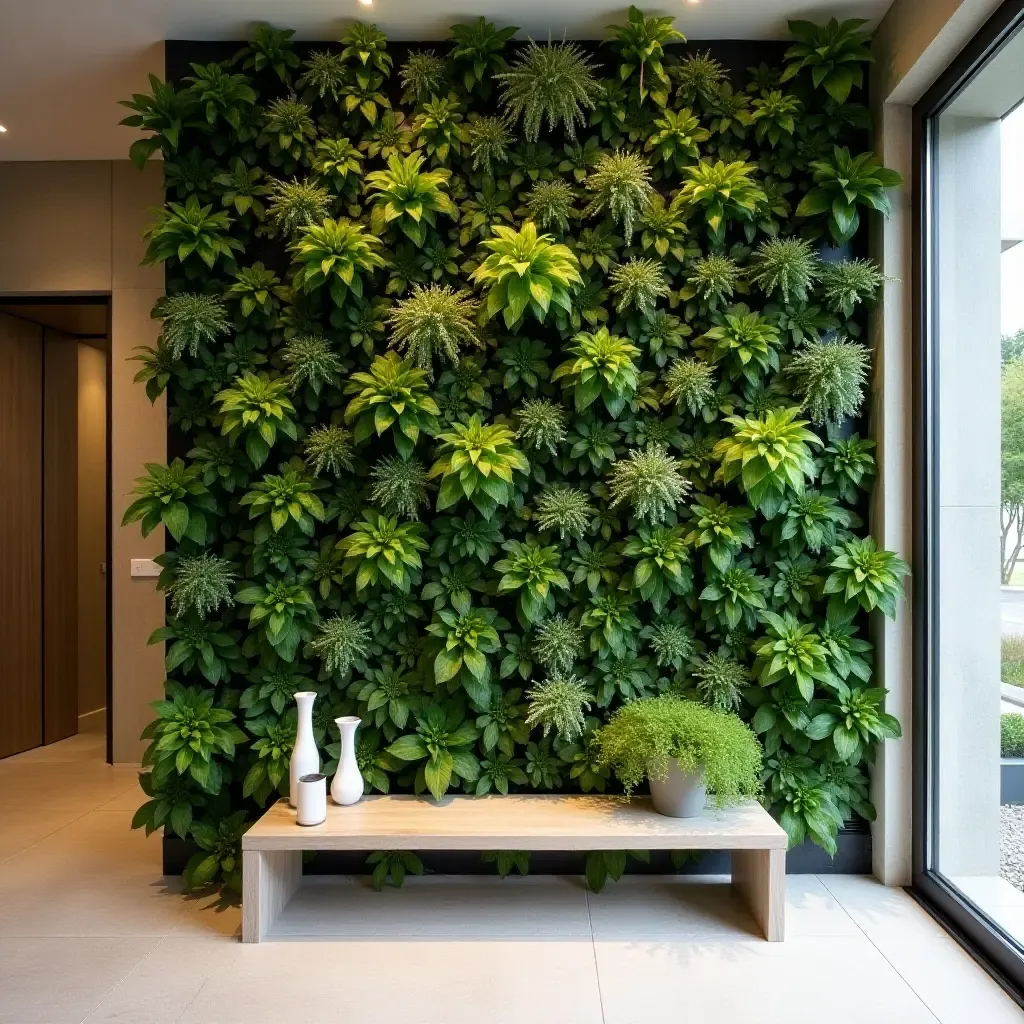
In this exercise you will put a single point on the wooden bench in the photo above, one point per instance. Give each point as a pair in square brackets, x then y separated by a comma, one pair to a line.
[272, 848]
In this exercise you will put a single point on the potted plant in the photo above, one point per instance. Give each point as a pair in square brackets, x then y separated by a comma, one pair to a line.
[684, 750]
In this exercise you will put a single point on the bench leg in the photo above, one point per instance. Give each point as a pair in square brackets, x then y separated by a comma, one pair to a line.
[760, 878]
[269, 880]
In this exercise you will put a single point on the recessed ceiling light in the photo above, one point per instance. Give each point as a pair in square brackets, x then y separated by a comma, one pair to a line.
[366, 3]
[2, 129]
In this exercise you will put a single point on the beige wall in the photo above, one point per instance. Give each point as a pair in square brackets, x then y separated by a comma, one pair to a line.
[92, 529]
[75, 228]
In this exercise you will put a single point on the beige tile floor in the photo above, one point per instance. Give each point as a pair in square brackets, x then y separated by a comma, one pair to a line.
[90, 931]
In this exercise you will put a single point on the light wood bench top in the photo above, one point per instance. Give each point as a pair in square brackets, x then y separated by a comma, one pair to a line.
[518, 822]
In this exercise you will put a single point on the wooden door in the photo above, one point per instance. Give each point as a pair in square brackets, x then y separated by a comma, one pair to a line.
[60, 536]
[21, 535]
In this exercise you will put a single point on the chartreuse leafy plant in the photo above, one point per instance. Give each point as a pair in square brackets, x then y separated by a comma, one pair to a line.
[511, 384]
[641, 738]
[526, 271]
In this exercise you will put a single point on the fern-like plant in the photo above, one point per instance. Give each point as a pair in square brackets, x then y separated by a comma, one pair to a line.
[690, 383]
[190, 320]
[541, 425]
[399, 486]
[831, 375]
[422, 76]
[294, 204]
[650, 481]
[787, 265]
[563, 508]
[436, 321]
[848, 283]
[550, 204]
[638, 284]
[553, 83]
[560, 703]
[621, 183]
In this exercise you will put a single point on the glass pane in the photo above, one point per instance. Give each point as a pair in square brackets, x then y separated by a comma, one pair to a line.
[978, 841]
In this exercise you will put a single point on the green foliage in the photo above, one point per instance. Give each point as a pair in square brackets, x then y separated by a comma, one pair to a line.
[831, 377]
[174, 496]
[393, 865]
[219, 859]
[560, 703]
[626, 493]
[1011, 735]
[336, 253]
[621, 183]
[553, 83]
[435, 321]
[640, 739]
[524, 270]
[841, 184]
[832, 53]
[650, 481]
[190, 320]
[769, 456]
[478, 461]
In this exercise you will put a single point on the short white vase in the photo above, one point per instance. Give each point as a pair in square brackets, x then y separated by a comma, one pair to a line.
[679, 794]
[305, 757]
[347, 787]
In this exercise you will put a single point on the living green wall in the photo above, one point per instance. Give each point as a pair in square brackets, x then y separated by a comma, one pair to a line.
[511, 383]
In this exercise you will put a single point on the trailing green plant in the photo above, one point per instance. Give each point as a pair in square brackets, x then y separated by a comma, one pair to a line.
[641, 738]
[401, 337]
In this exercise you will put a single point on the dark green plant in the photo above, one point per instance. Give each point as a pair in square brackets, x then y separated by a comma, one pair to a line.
[336, 253]
[603, 368]
[219, 858]
[393, 865]
[641, 46]
[477, 53]
[189, 229]
[842, 184]
[867, 577]
[382, 549]
[833, 54]
[174, 496]
[255, 407]
[440, 749]
[531, 571]
[1011, 735]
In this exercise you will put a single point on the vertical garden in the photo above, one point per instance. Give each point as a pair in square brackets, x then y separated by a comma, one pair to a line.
[508, 383]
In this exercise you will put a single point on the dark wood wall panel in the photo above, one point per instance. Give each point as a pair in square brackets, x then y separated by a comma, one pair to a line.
[21, 549]
[60, 537]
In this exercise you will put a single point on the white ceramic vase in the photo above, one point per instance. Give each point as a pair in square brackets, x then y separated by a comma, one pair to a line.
[347, 787]
[305, 757]
[679, 794]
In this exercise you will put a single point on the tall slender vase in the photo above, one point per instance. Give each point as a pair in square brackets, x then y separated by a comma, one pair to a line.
[305, 757]
[347, 787]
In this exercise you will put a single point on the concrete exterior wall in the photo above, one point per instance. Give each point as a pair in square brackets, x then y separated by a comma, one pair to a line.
[968, 412]
[74, 228]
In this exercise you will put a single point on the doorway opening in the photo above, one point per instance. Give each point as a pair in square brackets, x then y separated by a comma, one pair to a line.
[55, 650]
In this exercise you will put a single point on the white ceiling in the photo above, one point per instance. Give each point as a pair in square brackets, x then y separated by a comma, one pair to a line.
[64, 64]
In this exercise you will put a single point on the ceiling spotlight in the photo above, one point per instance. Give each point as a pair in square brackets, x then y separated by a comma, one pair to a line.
[2, 129]
[366, 3]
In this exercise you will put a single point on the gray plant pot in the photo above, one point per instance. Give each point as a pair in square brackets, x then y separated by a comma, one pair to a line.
[679, 794]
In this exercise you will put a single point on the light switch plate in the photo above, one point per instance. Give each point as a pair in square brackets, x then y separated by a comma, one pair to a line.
[145, 567]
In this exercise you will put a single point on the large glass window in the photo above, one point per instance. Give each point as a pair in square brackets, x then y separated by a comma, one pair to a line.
[970, 862]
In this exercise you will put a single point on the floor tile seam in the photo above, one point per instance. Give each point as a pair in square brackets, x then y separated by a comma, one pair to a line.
[41, 839]
[593, 951]
[906, 981]
[117, 984]
[839, 902]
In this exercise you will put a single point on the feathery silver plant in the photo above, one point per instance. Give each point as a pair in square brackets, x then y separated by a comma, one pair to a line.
[399, 487]
[312, 362]
[713, 278]
[850, 282]
[690, 383]
[423, 75]
[489, 139]
[329, 448]
[550, 203]
[638, 284]
[201, 583]
[651, 481]
[830, 376]
[553, 82]
[671, 641]
[541, 424]
[621, 183]
[787, 265]
[434, 321]
[557, 643]
[294, 204]
[190, 320]
[720, 681]
[342, 641]
[560, 703]
[563, 508]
